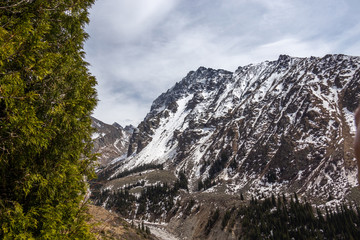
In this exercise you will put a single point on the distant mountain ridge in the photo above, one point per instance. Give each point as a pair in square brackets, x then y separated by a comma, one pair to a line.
[110, 141]
[277, 126]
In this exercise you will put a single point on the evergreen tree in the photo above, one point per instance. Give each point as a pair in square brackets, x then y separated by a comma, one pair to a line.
[182, 182]
[46, 98]
[212, 220]
[200, 185]
[226, 219]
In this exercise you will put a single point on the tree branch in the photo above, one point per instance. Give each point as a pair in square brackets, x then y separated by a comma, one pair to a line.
[14, 5]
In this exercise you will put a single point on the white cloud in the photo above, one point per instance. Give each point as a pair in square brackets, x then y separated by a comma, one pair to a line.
[139, 49]
[127, 20]
[121, 109]
[293, 47]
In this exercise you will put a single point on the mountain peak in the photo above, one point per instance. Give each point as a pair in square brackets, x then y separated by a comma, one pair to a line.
[115, 124]
[284, 57]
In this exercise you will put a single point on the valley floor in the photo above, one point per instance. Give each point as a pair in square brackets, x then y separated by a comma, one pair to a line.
[159, 230]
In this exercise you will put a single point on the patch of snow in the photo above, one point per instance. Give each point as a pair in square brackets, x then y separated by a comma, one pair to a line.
[158, 151]
[97, 124]
[115, 143]
[108, 188]
[352, 178]
[300, 175]
[350, 120]
[118, 159]
[95, 135]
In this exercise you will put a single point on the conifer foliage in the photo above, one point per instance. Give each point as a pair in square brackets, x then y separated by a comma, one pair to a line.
[279, 218]
[46, 98]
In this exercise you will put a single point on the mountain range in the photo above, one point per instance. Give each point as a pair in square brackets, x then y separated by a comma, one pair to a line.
[273, 127]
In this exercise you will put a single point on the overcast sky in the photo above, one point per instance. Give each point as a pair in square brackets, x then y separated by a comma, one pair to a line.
[140, 48]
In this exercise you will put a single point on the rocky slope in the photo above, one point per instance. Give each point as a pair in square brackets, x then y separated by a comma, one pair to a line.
[110, 141]
[108, 225]
[273, 127]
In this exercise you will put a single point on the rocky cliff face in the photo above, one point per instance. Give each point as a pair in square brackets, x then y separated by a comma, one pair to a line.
[110, 141]
[277, 126]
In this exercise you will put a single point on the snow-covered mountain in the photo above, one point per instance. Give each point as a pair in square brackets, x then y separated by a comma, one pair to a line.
[277, 126]
[110, 141]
